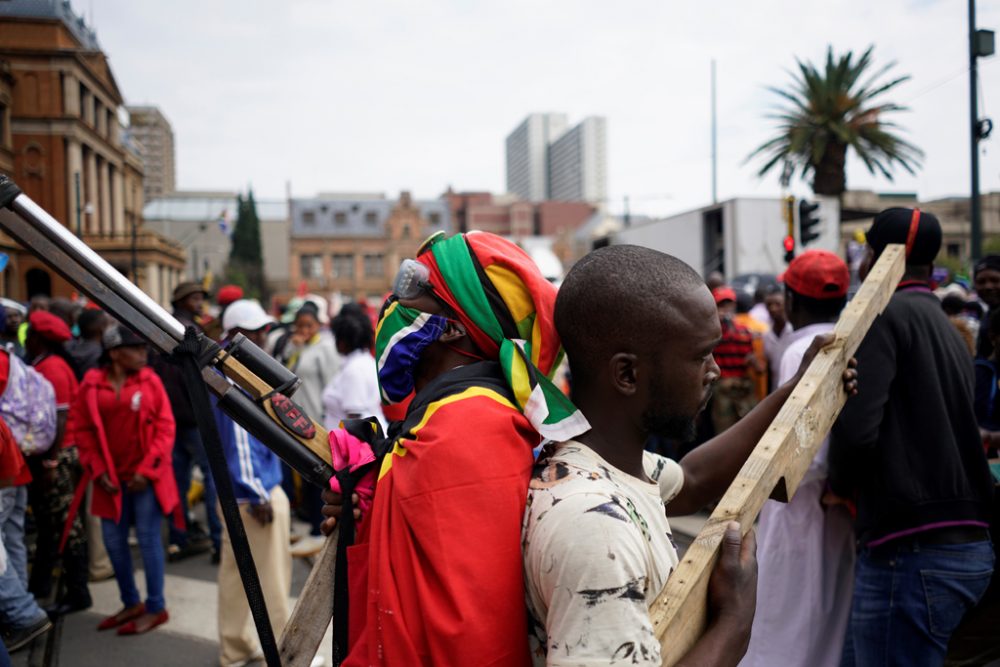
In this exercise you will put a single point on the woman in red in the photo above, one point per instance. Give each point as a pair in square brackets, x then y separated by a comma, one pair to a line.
[125, 434]
[57, 471]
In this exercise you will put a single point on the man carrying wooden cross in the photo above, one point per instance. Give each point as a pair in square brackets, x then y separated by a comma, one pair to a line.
[639, 328]
[910, 449]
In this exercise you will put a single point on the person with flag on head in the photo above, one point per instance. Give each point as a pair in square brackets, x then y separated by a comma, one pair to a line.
[910, 451]
[805, 551]
[436, 577]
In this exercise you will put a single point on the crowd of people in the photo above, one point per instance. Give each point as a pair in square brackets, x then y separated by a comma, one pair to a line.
[99, 438]
[507, 518]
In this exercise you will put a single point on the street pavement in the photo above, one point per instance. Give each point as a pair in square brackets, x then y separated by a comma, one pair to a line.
[190, 638]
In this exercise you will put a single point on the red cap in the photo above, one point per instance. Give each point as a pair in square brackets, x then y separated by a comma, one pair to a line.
[228, 294]
[724, 293]
[49, 326]
[817, 274]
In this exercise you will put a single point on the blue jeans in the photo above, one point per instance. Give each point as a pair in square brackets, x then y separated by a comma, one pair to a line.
[18, 609]
[909, 598]
[141, 509]
[188, 451]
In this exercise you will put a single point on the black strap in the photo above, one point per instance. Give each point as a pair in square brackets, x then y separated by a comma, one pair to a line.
[187, 355]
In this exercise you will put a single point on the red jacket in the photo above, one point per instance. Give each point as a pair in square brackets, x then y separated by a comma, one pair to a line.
[156, 438]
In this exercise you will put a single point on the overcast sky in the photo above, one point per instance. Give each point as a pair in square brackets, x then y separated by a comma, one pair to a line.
[387, 95]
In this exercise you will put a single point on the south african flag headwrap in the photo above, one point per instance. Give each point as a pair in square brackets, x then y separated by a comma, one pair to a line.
[507, 307]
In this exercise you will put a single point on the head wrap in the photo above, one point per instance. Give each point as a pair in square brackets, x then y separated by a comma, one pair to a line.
[49, 326]
[507, 307]
[919, 230]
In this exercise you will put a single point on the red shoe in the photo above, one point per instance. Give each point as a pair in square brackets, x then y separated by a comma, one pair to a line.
[124, 616]
[144, 623]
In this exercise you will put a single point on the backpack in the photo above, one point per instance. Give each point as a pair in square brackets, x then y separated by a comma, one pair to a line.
[28, 405]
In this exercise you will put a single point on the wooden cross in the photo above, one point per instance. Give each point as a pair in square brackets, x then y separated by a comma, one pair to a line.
[777, 464]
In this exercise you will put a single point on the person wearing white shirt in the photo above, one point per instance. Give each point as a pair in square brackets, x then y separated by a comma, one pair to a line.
[353, 391]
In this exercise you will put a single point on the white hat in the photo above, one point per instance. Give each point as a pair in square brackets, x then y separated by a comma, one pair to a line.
[246, 314]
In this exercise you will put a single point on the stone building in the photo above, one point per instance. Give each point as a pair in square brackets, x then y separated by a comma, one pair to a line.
[353, 244]
[72, 154]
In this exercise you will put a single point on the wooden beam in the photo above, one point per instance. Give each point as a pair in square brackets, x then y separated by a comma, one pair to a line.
[779, 461]
[306, 628]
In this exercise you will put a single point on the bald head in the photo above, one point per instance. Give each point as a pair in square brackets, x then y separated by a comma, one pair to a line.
[626, 298]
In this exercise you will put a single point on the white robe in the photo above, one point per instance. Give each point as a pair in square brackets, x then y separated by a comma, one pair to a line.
[805, 555]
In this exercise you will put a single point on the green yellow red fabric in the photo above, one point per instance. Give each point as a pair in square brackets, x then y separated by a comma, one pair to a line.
[436, 578]
[507, 306]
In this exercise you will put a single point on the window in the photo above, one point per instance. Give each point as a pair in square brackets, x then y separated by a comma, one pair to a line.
[434, 219]
[311, 266]
[373, 266]
[343, 265]
[406, 231]
[953, 249]
[309, 217]
[340, 217]
[371, 217]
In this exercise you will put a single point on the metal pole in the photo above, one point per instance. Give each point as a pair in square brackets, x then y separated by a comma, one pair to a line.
[975, 212]
[715, 191]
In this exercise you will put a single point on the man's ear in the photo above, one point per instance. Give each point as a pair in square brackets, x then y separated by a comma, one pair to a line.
[624, 377]
[453, 332]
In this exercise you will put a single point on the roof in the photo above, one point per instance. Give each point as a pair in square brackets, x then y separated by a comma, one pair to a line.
[53, 9]
[319, 216]
[193, 207]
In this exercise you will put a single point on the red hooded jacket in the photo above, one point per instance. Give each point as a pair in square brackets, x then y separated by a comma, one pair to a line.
[156, 438]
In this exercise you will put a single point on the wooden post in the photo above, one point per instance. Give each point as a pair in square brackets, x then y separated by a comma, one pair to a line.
[305, 629]
[777, 464]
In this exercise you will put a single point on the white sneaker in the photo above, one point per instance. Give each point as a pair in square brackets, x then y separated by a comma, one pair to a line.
[308, 546]
[318, 661]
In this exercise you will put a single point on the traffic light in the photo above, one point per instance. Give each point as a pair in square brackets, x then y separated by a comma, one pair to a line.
[788, 213]
[808, 222]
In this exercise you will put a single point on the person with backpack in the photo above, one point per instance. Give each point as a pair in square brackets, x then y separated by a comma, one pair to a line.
[125, 434]
[28, 406]
[57, 472]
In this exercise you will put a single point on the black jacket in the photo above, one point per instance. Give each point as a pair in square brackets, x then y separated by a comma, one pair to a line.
[908, 443]
[173, 382]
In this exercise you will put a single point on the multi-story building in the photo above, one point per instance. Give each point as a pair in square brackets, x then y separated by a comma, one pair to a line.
[72, 154]
[202, 223]
[578, 163]
[527, 155]
[353, 246]
[6, 138]
[153, 132]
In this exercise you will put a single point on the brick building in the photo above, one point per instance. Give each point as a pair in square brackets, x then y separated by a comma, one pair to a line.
[507, 215]
[353, 244]
[71, 153]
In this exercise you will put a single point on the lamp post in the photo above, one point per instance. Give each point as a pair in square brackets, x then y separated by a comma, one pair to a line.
[980, 45]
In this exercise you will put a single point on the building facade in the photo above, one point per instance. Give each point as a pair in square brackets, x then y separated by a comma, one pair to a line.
[511, 217]
[527, 155]
[354, 246]
[202, 223]
[72, 154]
[578, 163]
[153, 132]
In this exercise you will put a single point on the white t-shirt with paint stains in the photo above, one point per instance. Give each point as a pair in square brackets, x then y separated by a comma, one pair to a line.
[597, 551]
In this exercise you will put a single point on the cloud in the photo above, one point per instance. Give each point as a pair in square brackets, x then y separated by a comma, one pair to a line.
[399, 95]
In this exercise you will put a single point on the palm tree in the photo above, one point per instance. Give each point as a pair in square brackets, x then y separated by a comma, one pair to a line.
[830, 110]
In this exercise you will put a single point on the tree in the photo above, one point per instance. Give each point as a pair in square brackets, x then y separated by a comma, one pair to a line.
[246, 261]
[828, 111]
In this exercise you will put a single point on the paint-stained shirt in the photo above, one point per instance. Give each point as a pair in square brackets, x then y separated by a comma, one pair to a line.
[597, 552]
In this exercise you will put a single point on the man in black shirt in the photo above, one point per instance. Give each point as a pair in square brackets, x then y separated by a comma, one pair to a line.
[987, 283]
[909, 449]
